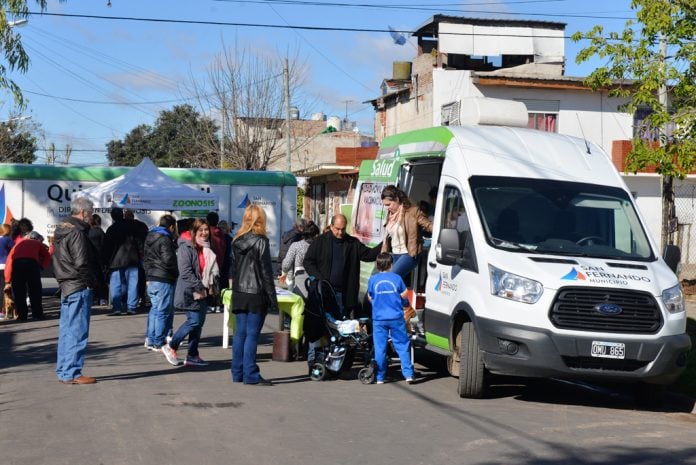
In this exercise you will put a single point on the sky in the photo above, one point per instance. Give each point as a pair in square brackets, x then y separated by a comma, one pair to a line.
[92, 80]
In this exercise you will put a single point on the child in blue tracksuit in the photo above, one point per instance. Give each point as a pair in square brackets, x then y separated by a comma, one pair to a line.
[386, 291]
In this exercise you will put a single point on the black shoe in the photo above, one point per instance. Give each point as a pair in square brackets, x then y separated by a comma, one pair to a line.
[38, 317]
[263, 382]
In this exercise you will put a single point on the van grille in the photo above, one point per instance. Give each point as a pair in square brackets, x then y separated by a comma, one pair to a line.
[595, 363]
[574, 308]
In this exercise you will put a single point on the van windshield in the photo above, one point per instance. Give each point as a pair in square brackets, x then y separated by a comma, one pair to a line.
[560, 218]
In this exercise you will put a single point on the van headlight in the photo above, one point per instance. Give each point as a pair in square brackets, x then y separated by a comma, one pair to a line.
[514, 287]
[673, 299]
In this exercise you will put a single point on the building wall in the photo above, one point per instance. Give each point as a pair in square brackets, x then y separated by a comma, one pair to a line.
[336, 190]
[315, 150]
[581, 113]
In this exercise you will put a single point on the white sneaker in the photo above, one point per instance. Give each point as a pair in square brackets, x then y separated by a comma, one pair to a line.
[170, 355]
[103, 303]
[379, 382]
[409, 380]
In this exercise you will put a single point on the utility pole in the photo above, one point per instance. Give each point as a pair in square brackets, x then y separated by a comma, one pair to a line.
[667, 181]
[222, 136]
[286, 75]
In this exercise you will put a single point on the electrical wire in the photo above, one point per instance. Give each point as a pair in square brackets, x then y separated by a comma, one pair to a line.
[315, 28]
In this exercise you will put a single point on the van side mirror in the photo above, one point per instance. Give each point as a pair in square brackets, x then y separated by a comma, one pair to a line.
[447, 249]
[672, 256]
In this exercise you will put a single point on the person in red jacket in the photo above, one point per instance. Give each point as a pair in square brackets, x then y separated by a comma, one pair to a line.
[23, 274]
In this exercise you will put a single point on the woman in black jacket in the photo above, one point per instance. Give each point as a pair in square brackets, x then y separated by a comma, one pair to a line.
[253, 293]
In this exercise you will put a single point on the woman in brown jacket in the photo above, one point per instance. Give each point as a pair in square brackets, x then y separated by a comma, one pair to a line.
[403, 238]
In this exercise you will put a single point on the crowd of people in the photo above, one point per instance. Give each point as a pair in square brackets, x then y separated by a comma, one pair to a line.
[184, 264]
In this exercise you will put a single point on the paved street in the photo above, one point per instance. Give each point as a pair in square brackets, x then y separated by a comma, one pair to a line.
[144, 411]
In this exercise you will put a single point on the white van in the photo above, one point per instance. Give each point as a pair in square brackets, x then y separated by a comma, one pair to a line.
[539, 264]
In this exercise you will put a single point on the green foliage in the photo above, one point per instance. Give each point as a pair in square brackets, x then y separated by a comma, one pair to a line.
[180, 138]
[16, 57]
[635, 69]
[300, 201]
[17, 143]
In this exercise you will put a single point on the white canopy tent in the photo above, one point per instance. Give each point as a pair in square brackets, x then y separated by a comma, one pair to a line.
[145, 187]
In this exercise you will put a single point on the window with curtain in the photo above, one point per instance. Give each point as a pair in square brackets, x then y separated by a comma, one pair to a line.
[543, 121]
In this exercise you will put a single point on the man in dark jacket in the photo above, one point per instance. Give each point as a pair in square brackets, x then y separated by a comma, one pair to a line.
[161, 271]
[76, 268]
[335, 256]
[123, 244]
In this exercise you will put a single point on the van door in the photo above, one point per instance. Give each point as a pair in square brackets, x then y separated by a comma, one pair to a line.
[443, 278]
[419, 180]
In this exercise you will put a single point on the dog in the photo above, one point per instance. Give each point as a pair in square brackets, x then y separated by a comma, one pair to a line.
[9, 305]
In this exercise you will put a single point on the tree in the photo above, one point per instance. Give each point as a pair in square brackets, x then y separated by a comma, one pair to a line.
[11, 42]
[180, 138]
[658, 51]
[18, 144]
[247, 92]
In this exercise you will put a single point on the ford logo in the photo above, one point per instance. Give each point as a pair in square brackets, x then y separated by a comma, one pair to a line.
[608, 309]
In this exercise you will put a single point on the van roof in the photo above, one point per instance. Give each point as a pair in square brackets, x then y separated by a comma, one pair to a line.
[506, 151]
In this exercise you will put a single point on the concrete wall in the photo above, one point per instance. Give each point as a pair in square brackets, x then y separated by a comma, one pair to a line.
[581, 113]
[316, 150]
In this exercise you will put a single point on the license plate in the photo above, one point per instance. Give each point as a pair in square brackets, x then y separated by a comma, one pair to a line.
[608, 349]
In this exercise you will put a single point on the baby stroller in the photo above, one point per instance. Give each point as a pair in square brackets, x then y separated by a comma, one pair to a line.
[348, 339]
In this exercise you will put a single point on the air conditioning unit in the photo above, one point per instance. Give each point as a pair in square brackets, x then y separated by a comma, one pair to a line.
[472, 111]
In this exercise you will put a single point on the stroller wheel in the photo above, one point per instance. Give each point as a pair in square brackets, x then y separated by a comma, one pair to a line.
[318, 372]
[366, 375]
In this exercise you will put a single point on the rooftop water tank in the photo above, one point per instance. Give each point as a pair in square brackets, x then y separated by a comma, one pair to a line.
[294, 113]
[334, 121]
[401, 70]
[319, 116]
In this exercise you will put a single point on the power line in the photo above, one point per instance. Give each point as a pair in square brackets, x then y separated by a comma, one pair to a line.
[431, 7]
[71, 150]
[317, 28]
[109, 102]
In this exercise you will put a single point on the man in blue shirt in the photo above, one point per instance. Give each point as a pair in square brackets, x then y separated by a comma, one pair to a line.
[386, 291]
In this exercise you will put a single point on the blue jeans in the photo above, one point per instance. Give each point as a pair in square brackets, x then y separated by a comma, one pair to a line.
[159, 320]
[73, 332]
[124, 283]
[403, 264]
[380, 332]
[192, 328]
[244, 344]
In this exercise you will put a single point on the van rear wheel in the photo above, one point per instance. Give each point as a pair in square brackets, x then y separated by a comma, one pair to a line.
[472, 372]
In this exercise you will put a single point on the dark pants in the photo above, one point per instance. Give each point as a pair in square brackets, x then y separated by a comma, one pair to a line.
[26, 280]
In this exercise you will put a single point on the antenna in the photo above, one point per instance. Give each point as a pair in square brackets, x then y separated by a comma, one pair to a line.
[587, 146]
[347, 102]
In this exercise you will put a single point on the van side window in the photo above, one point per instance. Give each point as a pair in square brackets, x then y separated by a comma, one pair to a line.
[454, 216]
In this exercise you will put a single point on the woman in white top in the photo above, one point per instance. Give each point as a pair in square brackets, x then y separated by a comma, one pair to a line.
[403, 230]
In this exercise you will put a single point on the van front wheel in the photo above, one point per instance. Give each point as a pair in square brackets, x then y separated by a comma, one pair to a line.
[472, 372]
